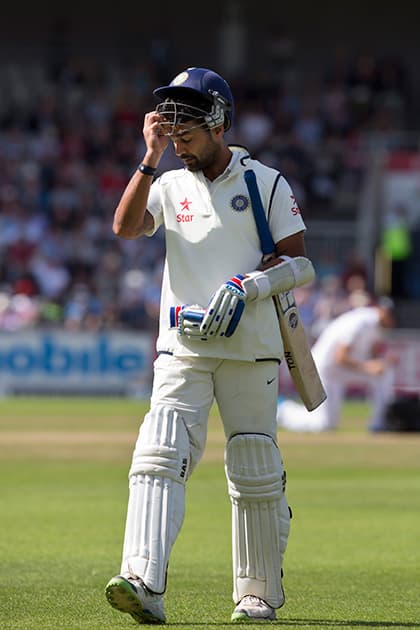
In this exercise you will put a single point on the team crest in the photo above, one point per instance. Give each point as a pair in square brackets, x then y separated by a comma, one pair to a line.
[240, 203]
[180, 78]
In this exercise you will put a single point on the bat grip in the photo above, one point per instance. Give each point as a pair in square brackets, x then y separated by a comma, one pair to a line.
[266, 258]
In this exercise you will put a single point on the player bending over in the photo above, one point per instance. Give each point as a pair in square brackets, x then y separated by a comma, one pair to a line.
[348, 352]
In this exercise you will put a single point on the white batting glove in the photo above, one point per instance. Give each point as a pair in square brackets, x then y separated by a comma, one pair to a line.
[225, 309]
[187, 320]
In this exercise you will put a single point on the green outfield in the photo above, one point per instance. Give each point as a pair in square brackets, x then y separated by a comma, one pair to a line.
[353, 559]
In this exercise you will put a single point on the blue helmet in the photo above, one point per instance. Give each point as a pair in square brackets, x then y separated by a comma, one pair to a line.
[197, 93]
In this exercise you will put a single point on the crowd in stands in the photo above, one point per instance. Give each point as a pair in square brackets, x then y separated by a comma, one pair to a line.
[70, 138]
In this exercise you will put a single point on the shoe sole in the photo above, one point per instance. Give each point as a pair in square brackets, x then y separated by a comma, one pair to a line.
[121, 597]
[244, 618]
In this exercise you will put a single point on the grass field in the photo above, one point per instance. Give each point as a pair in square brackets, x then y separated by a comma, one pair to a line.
[353, 559]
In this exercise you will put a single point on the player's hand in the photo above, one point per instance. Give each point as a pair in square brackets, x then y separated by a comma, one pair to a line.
[375, 367]
[187, 320]
[156, 142]
[225, 309]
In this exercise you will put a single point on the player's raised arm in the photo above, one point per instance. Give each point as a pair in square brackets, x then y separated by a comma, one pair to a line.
[131, 218]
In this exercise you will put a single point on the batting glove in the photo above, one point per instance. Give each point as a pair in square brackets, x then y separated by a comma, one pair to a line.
[225, 309]
[187, 320]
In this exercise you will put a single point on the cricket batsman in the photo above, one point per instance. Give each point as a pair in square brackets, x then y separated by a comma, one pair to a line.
[219, 340]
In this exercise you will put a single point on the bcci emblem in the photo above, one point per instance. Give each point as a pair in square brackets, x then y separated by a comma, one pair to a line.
[293, 320]
[240, 203]
[180, 78]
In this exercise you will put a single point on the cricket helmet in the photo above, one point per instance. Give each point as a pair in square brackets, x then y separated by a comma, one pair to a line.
[197, 93]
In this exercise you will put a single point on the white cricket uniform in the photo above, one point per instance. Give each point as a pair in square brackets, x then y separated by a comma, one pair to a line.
[211, 236]
[359, 329]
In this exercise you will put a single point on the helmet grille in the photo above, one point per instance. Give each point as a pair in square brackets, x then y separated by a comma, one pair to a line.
[205, 113]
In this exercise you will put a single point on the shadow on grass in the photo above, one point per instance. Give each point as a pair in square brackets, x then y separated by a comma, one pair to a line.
[322, 623]
[332, 623]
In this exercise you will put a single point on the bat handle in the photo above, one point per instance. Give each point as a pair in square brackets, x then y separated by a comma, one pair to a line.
[266, 258]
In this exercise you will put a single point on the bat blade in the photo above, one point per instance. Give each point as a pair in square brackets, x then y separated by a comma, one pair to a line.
[297, 352]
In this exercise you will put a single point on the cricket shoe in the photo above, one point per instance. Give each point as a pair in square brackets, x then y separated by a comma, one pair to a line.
[251, 609]
[130, 595]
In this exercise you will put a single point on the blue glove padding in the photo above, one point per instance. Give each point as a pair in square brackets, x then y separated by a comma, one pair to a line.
[225, 309]
[187, 320]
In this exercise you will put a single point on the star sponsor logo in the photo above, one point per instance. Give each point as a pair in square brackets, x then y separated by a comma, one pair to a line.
[185, 205]
[294, 207]
[185, 215]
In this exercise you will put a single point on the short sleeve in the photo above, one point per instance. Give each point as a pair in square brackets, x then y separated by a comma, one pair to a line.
[154, 205]
[284, 216]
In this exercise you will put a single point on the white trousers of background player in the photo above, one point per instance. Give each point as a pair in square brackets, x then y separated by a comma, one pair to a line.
[293, 416]
[170, 444]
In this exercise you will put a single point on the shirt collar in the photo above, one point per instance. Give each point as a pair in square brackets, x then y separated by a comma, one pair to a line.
[238, 154]
[230, 167]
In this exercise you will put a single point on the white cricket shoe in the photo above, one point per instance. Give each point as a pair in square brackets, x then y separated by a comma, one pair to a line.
[251, 609]
[130, 595]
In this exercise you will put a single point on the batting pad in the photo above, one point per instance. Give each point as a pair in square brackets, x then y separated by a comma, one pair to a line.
[156, 503]
[260, 516]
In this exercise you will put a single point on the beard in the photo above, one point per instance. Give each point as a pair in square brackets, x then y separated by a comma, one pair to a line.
[206, 160]
[192, 163]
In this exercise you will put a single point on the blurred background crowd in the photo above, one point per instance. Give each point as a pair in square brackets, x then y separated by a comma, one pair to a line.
[70, 138]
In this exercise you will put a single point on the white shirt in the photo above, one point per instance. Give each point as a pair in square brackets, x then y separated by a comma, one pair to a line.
[358, 328]
[211, 236]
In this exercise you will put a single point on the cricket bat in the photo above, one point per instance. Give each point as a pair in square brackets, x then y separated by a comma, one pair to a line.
[297, 351]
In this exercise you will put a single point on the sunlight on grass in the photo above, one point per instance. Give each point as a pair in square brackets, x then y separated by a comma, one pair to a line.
[353, 554]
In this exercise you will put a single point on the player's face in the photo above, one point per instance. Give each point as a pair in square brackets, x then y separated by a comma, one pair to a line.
[197, 147]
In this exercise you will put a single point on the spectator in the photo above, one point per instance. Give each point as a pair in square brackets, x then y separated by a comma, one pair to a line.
[69, 143]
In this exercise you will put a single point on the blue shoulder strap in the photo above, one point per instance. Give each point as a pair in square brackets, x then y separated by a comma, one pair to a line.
[266, 240]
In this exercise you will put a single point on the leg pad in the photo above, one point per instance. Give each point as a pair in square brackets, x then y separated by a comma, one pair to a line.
[156, 504]
[260, 516]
